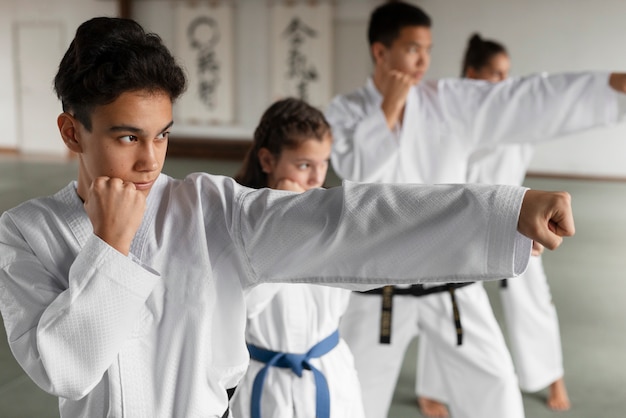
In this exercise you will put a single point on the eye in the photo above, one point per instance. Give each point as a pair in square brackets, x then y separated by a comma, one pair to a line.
[128, 139]
[163, 135]
[303, 166]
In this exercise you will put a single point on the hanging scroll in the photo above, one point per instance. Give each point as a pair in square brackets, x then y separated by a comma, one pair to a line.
[204, 45]
[301, 39]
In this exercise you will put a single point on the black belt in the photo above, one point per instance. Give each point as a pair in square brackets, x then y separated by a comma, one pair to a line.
[416, 290]
[230, 392]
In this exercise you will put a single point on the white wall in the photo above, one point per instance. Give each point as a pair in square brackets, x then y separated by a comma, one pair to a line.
[555, 35]
[351, 61]
[18, 17]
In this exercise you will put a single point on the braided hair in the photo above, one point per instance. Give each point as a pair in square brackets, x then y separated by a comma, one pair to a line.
[285, 124]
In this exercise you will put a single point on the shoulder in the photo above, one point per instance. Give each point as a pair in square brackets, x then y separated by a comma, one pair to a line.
[40, 210]
[40, 225]
[208, 189]
[353, 103]
[451, 85]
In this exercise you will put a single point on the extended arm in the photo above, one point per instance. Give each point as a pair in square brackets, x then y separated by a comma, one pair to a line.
[362, 236]
[530, 109]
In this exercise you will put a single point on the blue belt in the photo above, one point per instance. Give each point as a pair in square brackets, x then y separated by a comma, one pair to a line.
[295, 362]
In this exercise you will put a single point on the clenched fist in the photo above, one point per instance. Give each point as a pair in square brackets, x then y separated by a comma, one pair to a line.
[115, 209]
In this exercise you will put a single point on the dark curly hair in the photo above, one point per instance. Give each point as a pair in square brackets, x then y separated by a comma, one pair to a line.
[388, 20]
[110, 56]
[285, 124]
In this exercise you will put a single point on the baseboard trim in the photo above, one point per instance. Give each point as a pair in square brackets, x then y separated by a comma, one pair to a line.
[220, 149]
[583, 177]
[9, 151]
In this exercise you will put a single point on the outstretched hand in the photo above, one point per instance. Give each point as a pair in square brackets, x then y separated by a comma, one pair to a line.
[617, 81]
[537, 249]
[546, 217]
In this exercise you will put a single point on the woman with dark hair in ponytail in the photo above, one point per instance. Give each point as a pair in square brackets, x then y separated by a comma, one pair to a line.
[290, 151]
[529, 313]
[485, 60]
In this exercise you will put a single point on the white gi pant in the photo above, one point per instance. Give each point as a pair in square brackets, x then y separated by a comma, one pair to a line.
[479, 374]
[529, 314]
[533, 327]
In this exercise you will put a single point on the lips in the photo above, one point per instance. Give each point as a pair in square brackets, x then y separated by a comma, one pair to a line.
[144, 186]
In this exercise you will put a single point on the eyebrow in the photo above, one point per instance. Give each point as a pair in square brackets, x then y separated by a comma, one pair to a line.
[134, 129]
[308, 160]
[421, 45]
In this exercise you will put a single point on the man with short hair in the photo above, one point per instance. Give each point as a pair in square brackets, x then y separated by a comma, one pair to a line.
[401, 129]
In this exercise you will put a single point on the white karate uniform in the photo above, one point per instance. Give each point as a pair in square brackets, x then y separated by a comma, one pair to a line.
[482, 356]
[529, 314]
[444, 123]
[160, 333]
[533, 328]
[294, 320]
[454, 118]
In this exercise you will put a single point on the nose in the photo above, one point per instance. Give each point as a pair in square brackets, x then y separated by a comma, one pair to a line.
[316, 176]
[423, 60]
[147, 157]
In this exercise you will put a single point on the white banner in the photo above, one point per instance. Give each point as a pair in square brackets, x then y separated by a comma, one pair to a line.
[301, 40]
[204, 45]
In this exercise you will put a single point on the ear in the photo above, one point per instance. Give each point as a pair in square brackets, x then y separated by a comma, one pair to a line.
[379, 53]
[267, 160]
[68, 127]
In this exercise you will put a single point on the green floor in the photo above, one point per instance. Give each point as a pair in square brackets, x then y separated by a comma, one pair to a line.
[586, 276]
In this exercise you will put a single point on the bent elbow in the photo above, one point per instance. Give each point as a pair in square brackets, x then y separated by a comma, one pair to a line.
[73, 390]
[71, 380]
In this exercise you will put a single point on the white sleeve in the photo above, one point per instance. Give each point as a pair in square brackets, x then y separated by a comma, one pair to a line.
[362, 236]
[364, 147]
[528, 109]
[66, 337]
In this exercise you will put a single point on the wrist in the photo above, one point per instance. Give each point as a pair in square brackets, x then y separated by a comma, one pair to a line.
[393, 113]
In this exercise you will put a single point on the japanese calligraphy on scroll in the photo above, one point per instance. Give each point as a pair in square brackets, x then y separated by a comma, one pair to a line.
[301, 40]
[204, 45]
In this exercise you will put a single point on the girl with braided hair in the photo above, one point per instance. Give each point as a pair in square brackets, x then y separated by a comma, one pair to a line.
[290, 151]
